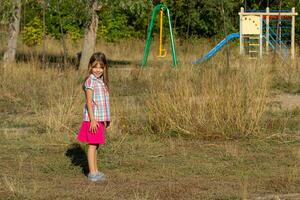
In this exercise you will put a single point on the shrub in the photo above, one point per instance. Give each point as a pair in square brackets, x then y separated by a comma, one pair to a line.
[33, 32]
[74, 33]
[113, 27]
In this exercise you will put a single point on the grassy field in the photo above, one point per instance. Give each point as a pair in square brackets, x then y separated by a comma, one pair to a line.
[213, 131]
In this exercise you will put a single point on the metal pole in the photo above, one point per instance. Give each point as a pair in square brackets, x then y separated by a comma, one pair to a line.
[267, 29]
[293, 35]
[149, 34]
[160, 32]
[172, 40]
[241, 32]
[261, 37]
[162, 52]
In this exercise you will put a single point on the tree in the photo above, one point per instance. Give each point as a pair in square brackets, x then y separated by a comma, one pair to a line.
[14, 29]
[90, 36]
[62, 35]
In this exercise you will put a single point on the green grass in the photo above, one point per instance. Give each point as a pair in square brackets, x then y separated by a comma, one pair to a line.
[150, 167]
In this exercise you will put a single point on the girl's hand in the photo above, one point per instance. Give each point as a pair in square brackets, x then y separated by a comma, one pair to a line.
[107, 124]
[94, 126]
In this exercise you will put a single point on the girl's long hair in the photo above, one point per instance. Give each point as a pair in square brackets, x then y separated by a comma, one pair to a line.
[98, 57]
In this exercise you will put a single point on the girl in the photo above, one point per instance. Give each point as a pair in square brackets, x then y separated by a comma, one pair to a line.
[96, 116]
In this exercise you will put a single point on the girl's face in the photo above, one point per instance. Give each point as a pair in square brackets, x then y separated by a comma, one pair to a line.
[98, 70]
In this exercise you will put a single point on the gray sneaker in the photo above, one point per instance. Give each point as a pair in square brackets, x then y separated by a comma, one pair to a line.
[93, 177]
[100, 176]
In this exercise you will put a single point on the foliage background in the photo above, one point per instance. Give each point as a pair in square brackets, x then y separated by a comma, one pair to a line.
[124, 19]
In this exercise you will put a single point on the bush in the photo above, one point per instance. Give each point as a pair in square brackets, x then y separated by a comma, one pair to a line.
[33, 32]
[74, 33]
[113, 27]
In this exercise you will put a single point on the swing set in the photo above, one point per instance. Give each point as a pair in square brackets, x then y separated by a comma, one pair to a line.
[162, 52]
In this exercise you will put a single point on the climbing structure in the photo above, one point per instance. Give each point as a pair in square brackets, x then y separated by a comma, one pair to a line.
[265, 30]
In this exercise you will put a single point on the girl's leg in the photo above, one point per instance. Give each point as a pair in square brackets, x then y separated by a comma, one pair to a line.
[95, 163]
[91, 157]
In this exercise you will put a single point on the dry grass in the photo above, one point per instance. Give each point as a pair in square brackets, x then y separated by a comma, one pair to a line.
[49, 96]
[286, 77]
[211, 103]
[41, 109]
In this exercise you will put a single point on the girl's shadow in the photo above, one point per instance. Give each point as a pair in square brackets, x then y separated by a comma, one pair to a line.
[78, 157]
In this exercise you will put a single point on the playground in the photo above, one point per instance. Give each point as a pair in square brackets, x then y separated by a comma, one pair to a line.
[209, 118]
[261, 32]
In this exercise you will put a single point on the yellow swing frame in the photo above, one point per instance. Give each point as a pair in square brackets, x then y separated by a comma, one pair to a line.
[162, 51]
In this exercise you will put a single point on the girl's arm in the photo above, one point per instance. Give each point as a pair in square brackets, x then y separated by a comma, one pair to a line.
[89, 103]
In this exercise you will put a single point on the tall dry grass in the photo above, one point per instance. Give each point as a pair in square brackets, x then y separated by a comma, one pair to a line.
[207, 101]
[47, 99]
[286, 77]
[211, 103]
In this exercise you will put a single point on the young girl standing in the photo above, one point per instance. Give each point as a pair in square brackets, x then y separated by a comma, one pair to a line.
[96, 115]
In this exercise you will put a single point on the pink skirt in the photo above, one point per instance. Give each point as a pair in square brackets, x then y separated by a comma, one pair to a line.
[85, 135]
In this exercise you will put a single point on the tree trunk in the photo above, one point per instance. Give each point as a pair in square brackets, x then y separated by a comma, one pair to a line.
[44, 34]
[226, 33]
[14, 29]
[62, 36]
[90, 38]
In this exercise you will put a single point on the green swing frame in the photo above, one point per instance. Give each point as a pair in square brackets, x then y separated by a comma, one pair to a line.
[155, 11]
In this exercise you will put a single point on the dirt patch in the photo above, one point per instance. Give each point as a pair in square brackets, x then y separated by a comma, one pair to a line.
[15, 131]
[295, 196]
[288, 101]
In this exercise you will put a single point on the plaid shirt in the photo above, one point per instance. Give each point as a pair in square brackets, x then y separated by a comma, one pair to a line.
[100, 98]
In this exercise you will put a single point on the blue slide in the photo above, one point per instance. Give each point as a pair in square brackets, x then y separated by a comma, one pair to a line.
[217, 48]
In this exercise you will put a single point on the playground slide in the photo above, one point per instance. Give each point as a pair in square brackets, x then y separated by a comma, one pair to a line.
[217, 48]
